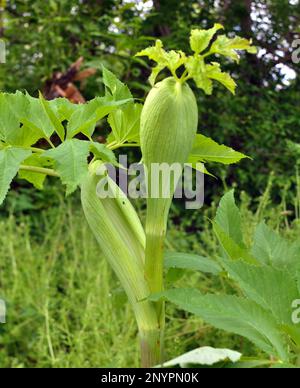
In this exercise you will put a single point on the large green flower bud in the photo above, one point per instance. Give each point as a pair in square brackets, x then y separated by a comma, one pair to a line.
[168, 128]
[169, 123]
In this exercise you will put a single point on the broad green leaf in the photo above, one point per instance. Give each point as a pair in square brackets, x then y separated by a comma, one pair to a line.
[197, 70]
[37, 118]
[213, 71]
[229, 47]
[26, 136]
[204, 74]
[271, 248]
[86, 116]
[192, 262]
[36, 179]
[10, 161]
[71, 162]
[13, 108]
[125, 124]
[207, 150]
[55, 120]
[63, 108]
[204, 356]
[229, 218]
[233, 314]
[231, 249]
[100, 151]
[117, 89]
[273, 289]
[200, 39]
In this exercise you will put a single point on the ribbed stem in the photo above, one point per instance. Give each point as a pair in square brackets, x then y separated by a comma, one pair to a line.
[156, 224]
[152, 347]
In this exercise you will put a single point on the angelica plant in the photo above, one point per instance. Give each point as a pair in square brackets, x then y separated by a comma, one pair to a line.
[169, 124]
[165, 129]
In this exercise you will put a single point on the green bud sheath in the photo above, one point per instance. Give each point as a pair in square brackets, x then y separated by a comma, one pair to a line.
[120, 235]
[168, 128]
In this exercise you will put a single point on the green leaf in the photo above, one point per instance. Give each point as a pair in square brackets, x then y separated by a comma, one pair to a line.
[232, 250]
[71, 162]
[229, 218]
[100, 151]
[207, 150]
[125, 124]
[213, 71]
[37, 118]
[197, 70]
[233, 314]
[36, 179]
[204, 74]
[228, 229]
[192, 262]
[10, 161]
[156, 54]
[201, 168]
[86, 116]
[200, 39]
[63, 108]
[175, 59]
[51, 114]
[13, 108]
[229, 47]
[204, 356]
[273, 289]
[270, 248]
[117, 89]
[172, 59]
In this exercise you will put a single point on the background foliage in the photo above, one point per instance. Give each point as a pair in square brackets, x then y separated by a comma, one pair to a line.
[60, 314]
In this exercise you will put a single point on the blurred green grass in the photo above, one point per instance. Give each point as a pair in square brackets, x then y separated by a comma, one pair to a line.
[65, 308]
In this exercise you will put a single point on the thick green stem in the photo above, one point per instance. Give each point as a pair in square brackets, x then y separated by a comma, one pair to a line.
[151, 347]
[156, 224]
